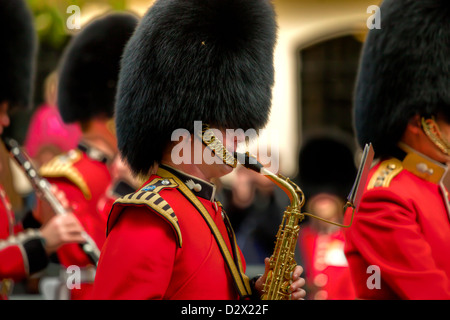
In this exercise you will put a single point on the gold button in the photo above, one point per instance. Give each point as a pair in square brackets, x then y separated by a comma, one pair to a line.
[392, 166]
[422, 167]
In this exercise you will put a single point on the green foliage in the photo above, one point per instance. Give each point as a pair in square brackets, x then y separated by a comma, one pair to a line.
[51, 15]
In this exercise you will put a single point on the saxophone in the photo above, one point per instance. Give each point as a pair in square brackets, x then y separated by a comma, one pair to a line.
[282, 262]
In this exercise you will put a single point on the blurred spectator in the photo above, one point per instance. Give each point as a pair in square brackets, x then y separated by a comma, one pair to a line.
[47, 134]
[326, 174]
[255, 206]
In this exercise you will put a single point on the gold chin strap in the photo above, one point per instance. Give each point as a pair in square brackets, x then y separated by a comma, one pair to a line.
[216, 146]
[431, 129]
[111, 125]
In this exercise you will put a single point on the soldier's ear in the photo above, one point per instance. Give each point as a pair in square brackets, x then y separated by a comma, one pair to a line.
[414, 125]
[414, 136]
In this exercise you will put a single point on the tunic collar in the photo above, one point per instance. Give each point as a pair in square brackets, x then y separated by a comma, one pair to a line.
[423, 166]
[94, 153]
[199, 187]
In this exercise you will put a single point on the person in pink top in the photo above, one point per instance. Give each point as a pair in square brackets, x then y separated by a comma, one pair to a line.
[47, 134]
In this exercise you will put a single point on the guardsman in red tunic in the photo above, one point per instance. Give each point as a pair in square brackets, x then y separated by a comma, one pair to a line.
[25, 251]
[22, 252]
[88, 76]
[399, 243]
[122, 182]
[187, 61]
[326, 183]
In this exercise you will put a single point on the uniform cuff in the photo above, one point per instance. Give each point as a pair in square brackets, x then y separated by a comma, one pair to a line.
[29, 221]
[36, 254]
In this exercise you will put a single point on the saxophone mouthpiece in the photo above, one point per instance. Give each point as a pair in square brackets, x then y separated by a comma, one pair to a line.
[248, 161]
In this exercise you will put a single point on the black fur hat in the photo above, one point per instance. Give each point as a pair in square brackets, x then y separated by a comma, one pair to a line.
[89, 69]
[194, 60]
[17, 53]
[327, 164]
[404, 71]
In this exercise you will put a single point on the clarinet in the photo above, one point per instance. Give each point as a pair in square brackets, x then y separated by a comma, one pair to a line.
[42, 188]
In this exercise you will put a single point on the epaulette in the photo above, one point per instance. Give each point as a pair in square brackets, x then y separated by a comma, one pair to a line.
[150, 197]
[62, 167]
[387, 170]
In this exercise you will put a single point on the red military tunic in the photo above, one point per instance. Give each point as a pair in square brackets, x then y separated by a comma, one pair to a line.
[84, 180]
[326, 269]
[160, 247]
[21, 254]
[401, 232]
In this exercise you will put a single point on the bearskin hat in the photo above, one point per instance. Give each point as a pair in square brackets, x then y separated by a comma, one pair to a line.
[89, 69]
[194, 60]
[327, 164]
[404, 71]
[17, 53]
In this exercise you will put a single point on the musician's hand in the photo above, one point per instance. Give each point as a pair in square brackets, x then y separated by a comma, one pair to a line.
[44, 212]
[298, 293]
[60, 230]
[296, 288]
